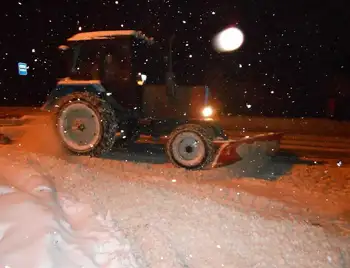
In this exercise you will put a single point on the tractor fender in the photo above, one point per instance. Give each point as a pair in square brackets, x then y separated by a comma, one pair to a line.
[215, 126]
[165, 127]
[64, 89]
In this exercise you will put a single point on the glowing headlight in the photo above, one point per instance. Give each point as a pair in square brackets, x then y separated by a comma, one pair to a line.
[141, 79]
[207, 111]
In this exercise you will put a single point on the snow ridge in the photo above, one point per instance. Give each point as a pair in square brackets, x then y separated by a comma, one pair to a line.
[53, 230]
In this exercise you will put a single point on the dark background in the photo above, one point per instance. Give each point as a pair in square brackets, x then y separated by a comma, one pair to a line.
[294, 59]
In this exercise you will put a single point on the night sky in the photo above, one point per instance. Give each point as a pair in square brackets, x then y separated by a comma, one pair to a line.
[295, 56]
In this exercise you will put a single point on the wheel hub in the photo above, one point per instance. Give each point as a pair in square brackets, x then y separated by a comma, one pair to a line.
[188, 148]
[79, 125]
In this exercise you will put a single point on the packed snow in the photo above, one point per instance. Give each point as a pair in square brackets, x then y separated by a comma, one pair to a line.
[150, 224]
[41, 227]
[65, 211]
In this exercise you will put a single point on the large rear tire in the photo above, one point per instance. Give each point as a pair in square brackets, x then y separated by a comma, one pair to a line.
[86, 124]
[191, 147]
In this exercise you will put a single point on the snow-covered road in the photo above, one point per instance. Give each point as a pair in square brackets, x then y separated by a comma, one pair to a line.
[166, 226]
[170, 217]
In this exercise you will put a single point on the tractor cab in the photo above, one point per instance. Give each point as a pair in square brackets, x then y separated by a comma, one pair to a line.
[132, 69]
[121, 61]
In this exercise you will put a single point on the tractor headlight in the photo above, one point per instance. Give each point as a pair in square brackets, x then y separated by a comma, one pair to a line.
[141, 79]
[207, 111]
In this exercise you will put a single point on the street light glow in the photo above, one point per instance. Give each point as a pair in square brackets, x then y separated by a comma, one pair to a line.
[228, 40]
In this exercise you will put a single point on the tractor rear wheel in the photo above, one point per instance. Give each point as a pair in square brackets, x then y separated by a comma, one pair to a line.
[191, 146]
[86, 124]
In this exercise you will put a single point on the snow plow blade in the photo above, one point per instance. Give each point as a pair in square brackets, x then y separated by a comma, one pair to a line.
[231, 151]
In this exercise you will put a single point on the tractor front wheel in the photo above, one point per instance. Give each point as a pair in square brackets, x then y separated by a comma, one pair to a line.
[191, 147]
[86, 124]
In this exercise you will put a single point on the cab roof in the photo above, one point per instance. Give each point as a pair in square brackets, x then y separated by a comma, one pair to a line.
[99, 35]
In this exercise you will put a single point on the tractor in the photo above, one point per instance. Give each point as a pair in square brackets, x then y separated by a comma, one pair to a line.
[113, 93]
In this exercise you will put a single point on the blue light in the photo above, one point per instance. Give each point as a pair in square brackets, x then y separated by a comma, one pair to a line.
[22, 68]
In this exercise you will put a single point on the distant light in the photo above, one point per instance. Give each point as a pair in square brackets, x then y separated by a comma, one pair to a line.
[22, 69]
[80, 28]
[228, 40]
[33, 50]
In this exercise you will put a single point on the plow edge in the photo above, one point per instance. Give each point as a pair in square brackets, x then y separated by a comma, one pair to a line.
[231, 151]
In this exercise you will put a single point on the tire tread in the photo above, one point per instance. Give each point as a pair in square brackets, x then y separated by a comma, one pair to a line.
[106, 113]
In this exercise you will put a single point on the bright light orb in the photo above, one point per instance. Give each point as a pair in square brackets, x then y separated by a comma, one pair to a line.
[228, 40]
[207, 111]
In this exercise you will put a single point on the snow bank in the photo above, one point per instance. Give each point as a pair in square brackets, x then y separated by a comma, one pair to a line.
[40, 228]
[316, 126]
[174, 228]
[164, 225]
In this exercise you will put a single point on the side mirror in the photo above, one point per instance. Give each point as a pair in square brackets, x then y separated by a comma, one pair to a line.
[141, 79]
[63, 47]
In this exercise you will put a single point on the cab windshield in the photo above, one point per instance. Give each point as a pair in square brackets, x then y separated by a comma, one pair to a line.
[113, 59]
[65, 61]
[148, 59]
